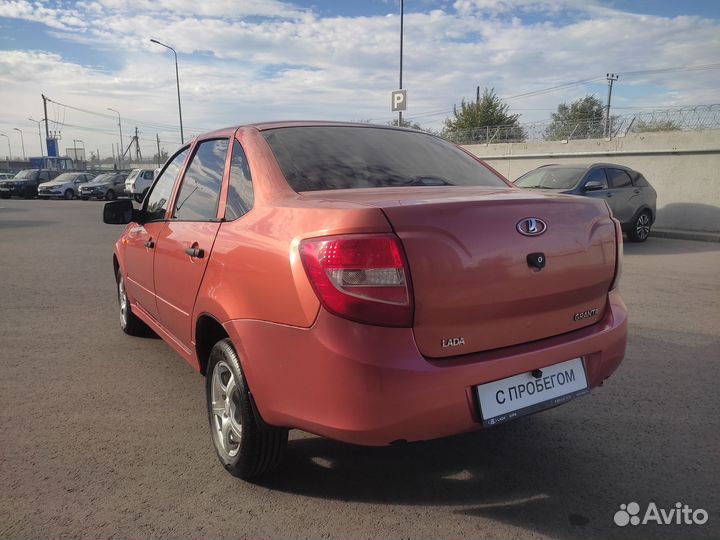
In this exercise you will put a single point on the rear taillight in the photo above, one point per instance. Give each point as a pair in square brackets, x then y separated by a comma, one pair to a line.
[363, 277]
[618, 255]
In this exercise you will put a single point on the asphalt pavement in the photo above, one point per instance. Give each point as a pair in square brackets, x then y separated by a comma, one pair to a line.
[105, 436]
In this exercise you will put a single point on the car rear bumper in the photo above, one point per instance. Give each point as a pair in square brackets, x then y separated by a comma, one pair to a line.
[370, 385]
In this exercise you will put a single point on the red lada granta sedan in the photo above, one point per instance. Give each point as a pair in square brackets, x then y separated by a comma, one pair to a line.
[369, 284]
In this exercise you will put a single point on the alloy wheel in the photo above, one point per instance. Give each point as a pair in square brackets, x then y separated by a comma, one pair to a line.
[642, 226]
[122, 297]
[225, 410]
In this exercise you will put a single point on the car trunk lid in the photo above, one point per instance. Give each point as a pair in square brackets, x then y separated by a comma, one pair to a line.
[473, 285]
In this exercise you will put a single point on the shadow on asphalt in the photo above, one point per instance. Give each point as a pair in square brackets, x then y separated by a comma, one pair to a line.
[519, 473]
[668, 246]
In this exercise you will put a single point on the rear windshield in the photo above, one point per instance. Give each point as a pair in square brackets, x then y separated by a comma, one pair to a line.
[551, 178]
[322, 158]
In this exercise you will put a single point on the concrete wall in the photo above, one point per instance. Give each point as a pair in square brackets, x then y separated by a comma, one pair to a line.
[684, 168]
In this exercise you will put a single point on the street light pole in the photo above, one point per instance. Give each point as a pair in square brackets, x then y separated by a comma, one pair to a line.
[177, 80]
[22, 142]
[402, 16]
[38, 122]
[9, 147]
[120, 163]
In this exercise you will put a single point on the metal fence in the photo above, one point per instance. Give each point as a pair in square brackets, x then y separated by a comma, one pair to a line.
[671, 119]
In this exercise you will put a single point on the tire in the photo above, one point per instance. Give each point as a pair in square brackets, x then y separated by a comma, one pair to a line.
[640, 228]
[138, 197]
[110, 195]
[85, 198]
[69, 194]
[3, 196]
[246, 446]
[129, 322]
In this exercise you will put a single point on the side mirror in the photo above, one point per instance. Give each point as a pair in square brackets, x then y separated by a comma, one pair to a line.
[594, 185]
[120, 212]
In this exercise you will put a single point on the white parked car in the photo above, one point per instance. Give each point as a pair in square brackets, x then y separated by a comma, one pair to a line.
[139, 182]
[65, 186]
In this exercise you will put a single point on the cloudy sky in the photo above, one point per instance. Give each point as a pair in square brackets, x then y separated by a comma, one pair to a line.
[252, 60]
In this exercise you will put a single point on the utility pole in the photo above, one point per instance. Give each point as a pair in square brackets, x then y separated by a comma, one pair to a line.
[112, 147]
[121, 138]
[402, 16]
[477, 96]
[157, 138]
[611, 78]
[138, 153]
[22, 141]
[47, 129]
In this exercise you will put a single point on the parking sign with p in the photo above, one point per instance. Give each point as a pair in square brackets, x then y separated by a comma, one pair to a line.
[399, 100]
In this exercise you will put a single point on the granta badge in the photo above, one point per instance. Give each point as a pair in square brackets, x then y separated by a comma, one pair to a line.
[586, 314]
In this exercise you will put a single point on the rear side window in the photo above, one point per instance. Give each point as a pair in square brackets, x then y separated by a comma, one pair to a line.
[638, 179]
[200, 189]
[323, 158]
[598, 175]
[157, 200]
[148, 175]
[619, 178]
[240, 195]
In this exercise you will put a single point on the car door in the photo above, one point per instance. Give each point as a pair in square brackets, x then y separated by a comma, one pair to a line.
[597, 174]
[185, 243]
[40, 177]
[623, 193]
[141, 238]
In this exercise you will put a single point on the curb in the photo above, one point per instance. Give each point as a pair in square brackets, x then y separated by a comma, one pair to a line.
[686, 235]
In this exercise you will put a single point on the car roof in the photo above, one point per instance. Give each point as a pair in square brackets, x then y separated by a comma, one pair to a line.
[277, 124]
[585, 166]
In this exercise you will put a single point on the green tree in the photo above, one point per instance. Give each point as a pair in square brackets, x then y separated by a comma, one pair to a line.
[582, 119]
[642, 126]
[162, 158]
[483, 120]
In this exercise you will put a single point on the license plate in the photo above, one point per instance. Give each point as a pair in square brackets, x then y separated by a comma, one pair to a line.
[507, 399]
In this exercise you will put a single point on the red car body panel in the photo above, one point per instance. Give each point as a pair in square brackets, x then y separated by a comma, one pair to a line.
[373, 386]
[362, 383]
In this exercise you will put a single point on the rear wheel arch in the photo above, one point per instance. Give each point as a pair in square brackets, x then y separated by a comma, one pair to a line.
[116, 266]
[643, 208]
[208, 331]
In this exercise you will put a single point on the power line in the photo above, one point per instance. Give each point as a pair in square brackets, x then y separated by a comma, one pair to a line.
[145, 123]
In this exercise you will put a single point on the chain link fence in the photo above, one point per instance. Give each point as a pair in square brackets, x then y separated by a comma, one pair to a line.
[675, 119]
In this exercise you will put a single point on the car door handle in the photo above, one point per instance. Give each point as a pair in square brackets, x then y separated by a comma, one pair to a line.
[196, 253]
[637, 191]
[608, 194]
[150, 244]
